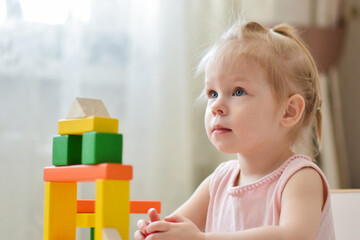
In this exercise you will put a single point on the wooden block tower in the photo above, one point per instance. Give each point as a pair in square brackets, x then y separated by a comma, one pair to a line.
[89, 149]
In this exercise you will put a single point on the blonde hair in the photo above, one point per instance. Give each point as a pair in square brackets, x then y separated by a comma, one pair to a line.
[280, 51]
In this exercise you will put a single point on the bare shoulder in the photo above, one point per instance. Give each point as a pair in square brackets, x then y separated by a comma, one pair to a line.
[305, 181]
[302, 202]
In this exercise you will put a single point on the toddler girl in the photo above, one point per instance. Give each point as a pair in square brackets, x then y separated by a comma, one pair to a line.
[263, 93]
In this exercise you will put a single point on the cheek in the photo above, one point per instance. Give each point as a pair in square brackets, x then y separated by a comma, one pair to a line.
[207, 120]
[263, 121]
[251, 123]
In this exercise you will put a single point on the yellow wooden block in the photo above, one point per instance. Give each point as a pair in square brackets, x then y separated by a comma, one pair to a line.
[112, 207]
[60, 211]
[89, 124]
[85, 220]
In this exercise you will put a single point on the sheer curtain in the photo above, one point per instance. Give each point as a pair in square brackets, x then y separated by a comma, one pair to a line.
[139, 58]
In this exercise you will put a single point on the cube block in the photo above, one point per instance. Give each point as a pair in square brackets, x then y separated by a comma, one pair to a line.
[101, 148]
[66, 150]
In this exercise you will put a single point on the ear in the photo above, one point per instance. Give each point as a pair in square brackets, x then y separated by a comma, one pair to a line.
[293, 110]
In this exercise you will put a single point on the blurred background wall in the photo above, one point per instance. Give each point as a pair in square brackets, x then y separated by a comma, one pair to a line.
[139, 57]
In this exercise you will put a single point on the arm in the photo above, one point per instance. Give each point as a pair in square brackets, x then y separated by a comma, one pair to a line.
[300, 218]
[195, 208]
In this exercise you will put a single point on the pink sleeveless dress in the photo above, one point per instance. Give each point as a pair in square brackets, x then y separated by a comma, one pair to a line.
[258, 204]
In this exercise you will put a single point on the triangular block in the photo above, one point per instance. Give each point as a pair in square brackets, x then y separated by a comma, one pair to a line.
[86, 107]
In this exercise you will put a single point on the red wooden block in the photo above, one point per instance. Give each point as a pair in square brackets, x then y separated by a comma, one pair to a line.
[88, 173]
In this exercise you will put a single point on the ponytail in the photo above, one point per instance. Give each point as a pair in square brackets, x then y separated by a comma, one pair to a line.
[313, 101]
[318, 117]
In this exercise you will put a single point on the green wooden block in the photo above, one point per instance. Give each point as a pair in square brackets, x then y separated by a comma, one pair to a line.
[66, 150]
[92, 234]
[101, 148]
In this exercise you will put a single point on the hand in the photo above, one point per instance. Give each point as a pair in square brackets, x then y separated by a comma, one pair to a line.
[175, 227]
[141, 234]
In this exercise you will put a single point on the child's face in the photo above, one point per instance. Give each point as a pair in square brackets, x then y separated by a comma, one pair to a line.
[242, 114]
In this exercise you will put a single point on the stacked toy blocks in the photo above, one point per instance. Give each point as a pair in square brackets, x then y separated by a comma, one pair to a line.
[89, 149]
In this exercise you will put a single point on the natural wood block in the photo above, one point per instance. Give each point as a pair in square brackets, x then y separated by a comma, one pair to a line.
[86, 107]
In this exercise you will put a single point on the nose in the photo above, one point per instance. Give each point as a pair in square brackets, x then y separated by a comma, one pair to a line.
[218, 107]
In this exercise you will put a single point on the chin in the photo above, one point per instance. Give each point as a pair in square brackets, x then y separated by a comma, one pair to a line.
[225, 149]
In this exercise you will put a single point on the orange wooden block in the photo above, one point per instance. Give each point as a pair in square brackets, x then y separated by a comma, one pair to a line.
[144, 206]
[88, 173]
[85, 206]
[88, 206]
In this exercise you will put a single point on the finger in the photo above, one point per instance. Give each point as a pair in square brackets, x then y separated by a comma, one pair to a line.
[142, 224]
[139, 236]
[158, 226]
[153, 215]
[175, 218]
[158, 236]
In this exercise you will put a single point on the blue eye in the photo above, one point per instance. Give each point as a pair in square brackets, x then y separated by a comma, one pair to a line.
[239, 92]
[213, 94]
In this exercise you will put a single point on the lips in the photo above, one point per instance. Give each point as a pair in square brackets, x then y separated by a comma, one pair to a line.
[218, 129]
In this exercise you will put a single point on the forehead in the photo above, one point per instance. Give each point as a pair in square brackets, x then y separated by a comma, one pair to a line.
[242, 69]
